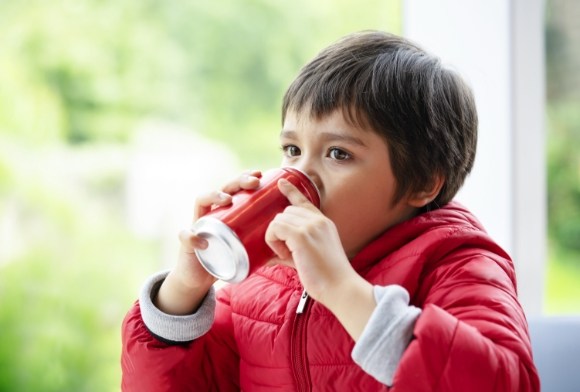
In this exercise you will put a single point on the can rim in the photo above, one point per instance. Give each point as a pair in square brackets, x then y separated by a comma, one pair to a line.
[219, 234]
[318, 198]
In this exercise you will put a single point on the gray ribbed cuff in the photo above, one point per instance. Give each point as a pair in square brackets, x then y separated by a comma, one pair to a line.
[387, 333]
[170, 327]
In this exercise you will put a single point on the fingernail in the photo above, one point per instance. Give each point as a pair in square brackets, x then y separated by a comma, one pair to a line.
[224, 196]
[202, 244]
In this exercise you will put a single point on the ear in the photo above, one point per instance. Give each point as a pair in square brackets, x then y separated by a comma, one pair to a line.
[423, 197]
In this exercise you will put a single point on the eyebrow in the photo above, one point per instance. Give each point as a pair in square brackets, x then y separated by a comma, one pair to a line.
[327, 136]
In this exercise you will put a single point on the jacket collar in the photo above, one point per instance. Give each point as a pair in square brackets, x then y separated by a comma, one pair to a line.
[452, 216]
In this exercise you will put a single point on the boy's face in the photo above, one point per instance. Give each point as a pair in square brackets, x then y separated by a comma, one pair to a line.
[352, 169]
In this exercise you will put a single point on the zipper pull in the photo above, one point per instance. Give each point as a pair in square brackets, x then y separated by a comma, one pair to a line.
[302, 302]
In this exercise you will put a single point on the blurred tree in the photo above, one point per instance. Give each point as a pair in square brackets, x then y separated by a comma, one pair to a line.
[564, 174]
[75, 75]
[91, 60]
[563, 87]
[89, 71]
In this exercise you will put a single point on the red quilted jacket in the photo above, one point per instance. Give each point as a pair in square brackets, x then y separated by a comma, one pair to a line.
[471, 335]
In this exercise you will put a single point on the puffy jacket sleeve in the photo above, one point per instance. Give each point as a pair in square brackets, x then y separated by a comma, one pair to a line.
[154, 363]
[472, 333]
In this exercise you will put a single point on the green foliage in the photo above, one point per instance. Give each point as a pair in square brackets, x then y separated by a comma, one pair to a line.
[77, 78]
[563, 275]
[563, 88]
[60, 316]
[564, 174]
[91, 71]
[69, 272]
[92, 61]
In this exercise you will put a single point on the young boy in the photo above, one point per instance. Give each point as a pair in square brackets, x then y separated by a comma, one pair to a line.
[404, 290]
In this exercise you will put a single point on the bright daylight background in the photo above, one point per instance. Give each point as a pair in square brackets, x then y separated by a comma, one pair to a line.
[115, 114]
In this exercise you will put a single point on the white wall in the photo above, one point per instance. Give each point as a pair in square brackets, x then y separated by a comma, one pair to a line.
[497, 45]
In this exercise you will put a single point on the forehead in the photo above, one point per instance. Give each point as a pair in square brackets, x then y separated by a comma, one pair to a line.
[356, 117]
[338, 120]
[337, 123]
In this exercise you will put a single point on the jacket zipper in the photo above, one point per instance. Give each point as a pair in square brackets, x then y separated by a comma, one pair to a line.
[298, 344]
[302, 303]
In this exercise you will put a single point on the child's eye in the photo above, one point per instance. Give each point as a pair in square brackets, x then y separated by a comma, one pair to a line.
[338, 154]
[291, 150]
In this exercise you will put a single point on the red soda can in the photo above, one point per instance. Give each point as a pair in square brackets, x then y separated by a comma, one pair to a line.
[236, 233]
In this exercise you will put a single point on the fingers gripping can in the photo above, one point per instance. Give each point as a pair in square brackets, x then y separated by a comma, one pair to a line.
[236, 233]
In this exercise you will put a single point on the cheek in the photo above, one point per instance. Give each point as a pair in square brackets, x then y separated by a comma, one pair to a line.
[361, 212]
[353, 208]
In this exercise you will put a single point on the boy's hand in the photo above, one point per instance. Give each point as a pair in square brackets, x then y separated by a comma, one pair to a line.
[304, 238]
[188, 282]
[189, 269]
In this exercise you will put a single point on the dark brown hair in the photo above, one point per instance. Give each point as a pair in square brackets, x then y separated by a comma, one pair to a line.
[424, 111]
